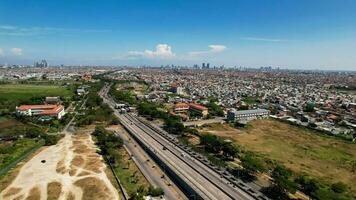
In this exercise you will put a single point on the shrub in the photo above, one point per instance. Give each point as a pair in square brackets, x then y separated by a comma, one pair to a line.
[155, 191]
[339, 187]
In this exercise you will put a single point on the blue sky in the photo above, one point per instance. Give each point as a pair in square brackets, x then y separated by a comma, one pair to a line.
[309, 34]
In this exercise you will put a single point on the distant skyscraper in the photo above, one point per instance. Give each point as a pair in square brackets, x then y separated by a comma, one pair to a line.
[207, 65]
[43, 63]
[203, 66]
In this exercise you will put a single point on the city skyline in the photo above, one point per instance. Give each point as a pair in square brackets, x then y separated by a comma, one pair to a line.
[291, 34]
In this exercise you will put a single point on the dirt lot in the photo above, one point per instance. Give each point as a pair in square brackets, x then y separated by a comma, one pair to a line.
[298, 148]
[69, 170]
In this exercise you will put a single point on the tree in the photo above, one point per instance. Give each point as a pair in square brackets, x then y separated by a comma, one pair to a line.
[122, 96]
[138, 194]
[307, 184]
[50, 139]
[93, 100]
[211, 143]
[173, 126]
[339, 187]
[33, 132]
[214, 109]
[229, 150]
[155, 191]
[282, 184]
[114, 120]
[252, 163]
[309, 107]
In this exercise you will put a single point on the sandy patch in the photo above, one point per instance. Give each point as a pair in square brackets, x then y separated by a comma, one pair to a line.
[93, 188]
[70, 196]
[69, 170]
[54, 190]
[34, 194]
[12, 191]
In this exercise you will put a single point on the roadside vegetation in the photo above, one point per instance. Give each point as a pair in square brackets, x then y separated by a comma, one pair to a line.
[214, 109]
[172, 124]
[122, 96]
[111, 147]
[96, 111]
[151, 110]
[124, 91]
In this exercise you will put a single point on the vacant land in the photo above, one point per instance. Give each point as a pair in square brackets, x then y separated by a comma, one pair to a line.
[10, 126]
[137, 88]
[300, 149]
[69, 170]
[250, 100]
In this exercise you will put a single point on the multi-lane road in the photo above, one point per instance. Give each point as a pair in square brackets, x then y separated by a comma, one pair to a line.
[146, 165]
[206, 180]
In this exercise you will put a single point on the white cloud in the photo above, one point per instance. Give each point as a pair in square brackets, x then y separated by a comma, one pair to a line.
[1, 52]
[163, 51]
[264, 39]
[214, 48]
[217, 48]
[16, 51]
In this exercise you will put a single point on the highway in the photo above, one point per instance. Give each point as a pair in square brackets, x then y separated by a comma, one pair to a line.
[205, 179]
[148, 168]
[146, 165]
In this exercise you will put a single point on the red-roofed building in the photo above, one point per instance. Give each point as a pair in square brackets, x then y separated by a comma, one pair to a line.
[181, 107]
[41, 110]
[86, 77]
[197, 108]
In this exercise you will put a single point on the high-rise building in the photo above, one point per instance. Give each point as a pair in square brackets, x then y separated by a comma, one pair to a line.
[207, 65]
[203, 66]
[43, 63]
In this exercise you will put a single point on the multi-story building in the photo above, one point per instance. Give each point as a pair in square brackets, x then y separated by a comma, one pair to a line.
[176, 89]
[181, 107]
[43, 63]
[247, 115]
[41, 110]
[52, 100]
[197, 108]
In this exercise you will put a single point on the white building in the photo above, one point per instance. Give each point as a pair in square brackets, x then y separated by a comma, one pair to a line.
[247, 115]
[41, 110]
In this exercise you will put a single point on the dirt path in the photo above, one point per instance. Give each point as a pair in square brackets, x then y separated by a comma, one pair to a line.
[72, 170]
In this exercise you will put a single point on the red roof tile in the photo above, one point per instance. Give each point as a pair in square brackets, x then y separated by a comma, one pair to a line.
[181, 105]
[198, 106]
[48, 109]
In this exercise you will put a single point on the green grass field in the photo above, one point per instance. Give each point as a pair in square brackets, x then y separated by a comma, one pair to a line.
[21, 92]
[13, 94]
